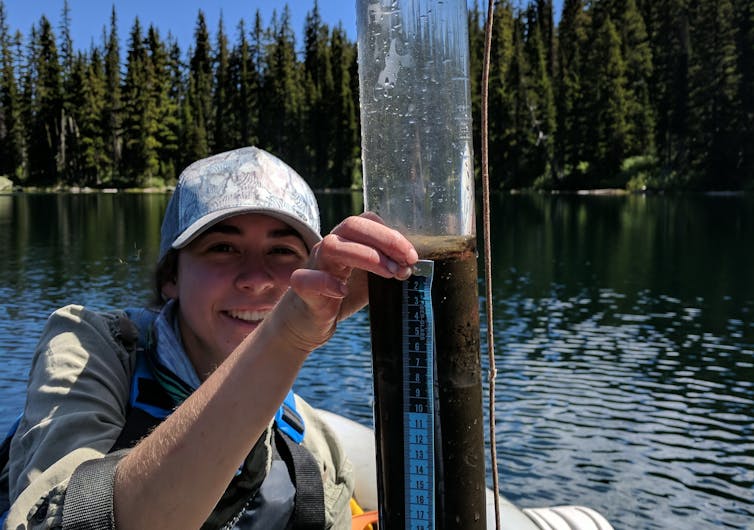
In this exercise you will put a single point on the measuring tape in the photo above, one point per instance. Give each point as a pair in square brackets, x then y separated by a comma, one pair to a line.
[418, 398]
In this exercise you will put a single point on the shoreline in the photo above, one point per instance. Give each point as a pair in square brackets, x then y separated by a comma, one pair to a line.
[608, 192]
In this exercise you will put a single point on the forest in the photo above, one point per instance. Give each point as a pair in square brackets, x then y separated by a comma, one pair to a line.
[644, 95]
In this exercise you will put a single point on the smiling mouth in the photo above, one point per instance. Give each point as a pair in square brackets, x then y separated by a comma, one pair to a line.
[252, 317]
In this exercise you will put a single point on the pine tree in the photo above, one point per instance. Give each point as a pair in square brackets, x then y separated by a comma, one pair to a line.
[540, 98]
[344, 136]
[521, 134]
[224, 114]
[112, 111]
[502, 129]
[244, 82]
[46, 107]
[138, 156]
[199, 95]
[165, 95]
[257, 48]
[282, 94]
[608, 109]
[67, 124]
[715, 105]
[476, 55]
[639, 69]
[668, 26]
[93, 146]
[11, 126]
[572, 45]
[546, 22]
[318, 99]
[746, 68]
[73, 113]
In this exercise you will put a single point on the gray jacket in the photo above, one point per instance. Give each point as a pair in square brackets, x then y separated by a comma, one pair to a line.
[76, 406]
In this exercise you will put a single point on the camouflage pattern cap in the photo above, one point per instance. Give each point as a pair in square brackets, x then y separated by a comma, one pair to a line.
[246, 180]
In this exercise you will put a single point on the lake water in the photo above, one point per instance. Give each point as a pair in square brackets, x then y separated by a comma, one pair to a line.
[624, 338]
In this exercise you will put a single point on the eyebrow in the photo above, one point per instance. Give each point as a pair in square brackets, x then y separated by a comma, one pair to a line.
[224, 228]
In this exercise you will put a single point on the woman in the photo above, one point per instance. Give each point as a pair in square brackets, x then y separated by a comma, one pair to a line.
[250, 290]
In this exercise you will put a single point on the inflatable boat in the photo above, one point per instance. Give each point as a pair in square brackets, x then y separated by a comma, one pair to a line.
[359, 444]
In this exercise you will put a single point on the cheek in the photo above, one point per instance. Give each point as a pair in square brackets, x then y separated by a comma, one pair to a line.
[196, 282]
[283, 274]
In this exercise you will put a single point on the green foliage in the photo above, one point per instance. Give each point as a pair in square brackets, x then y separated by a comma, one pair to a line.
[11, 126]
[640, 173]
[45, 107]
[199, 118]
[627, 93]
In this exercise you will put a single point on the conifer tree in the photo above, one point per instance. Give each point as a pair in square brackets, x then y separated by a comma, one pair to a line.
[257, 50]
[138, 155]
[344, 135]
[112, 111]
[11, 126]
[164, 62]
[27, 75]
[502, 98]
[572, 124]
[546, 23]
[73, 113]
[746, 68]
[628, 78]
[46, 107]
[540, 98]
[67, 124]
[283, 94]
[244, 82]
[668, 25]
[638, 58]
[199, 95]
[318, 98]
[715, 107]
[92, 159]
[224, 114]
[607, 111]
[476, 54]
[521, 124]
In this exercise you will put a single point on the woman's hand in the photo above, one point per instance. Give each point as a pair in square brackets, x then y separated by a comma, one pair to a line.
[333, 285]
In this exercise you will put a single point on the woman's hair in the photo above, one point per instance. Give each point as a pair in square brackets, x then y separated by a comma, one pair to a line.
[165, 271]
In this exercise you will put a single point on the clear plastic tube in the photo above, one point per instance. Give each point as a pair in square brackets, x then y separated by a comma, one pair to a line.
[418, 176]
[416, 115]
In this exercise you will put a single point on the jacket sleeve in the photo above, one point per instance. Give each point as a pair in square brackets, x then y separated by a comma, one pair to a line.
[75, 409]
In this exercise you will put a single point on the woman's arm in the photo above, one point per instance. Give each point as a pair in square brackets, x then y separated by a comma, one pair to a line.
[176, 475]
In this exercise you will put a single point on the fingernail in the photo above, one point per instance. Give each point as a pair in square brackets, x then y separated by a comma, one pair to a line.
[392, 266]
[405, 273]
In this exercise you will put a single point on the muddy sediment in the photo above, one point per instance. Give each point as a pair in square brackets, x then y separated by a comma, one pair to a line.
[459, 441]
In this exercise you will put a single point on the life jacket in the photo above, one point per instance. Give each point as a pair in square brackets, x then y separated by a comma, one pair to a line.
[290, 496]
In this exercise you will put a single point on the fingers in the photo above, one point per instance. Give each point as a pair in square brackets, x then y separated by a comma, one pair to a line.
[333, 285]
[309, 283]
[339, 256]
[365, 242]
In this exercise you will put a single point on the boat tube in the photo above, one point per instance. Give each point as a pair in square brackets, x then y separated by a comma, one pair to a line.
[358, 443]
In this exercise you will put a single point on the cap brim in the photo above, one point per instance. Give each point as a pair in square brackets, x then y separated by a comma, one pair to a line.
[309, 236]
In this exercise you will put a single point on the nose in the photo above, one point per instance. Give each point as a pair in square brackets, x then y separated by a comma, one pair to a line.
[253, 275]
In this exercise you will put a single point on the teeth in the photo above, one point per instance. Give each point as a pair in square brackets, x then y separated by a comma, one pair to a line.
[249, 316]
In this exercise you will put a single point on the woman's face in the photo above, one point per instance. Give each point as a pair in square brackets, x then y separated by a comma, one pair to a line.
[229, 278]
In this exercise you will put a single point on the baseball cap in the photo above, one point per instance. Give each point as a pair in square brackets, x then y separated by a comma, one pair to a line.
[246, 180]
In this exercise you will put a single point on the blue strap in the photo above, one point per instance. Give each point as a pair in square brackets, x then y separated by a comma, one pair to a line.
[287, 418]
[289, 421]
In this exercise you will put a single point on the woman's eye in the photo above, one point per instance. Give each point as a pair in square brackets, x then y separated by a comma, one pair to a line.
[283, 250]
[222, 248]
